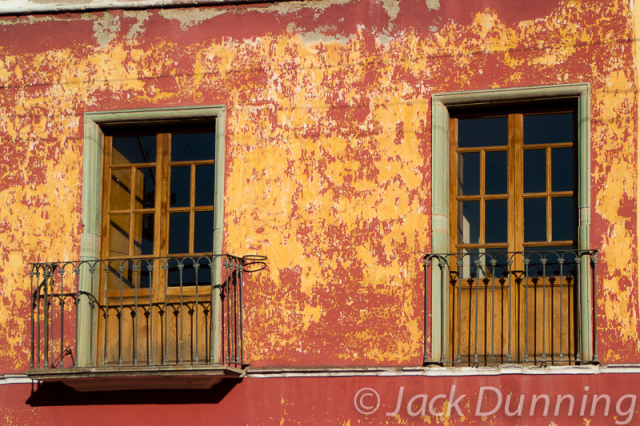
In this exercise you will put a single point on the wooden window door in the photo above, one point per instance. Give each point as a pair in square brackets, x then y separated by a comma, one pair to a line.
[513, 225]
[157, 222]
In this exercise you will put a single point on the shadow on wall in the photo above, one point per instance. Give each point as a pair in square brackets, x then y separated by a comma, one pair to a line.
[58, 394]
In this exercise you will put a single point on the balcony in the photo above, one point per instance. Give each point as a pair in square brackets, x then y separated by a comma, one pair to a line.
[530, 308]
[139, 323]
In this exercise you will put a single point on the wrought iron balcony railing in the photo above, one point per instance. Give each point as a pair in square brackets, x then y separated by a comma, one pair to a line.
[160, 314]
[531, 307]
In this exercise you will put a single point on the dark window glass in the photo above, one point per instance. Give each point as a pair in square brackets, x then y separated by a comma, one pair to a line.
[178, 233]
[535, 166]
[203, 232]
[204, 185]
[469, 173]
[495, 180]
[478, 132]
[562, 169]
[134, 149]
[548, 128]
[535, 219]
[563, 218]
[192, 146]
[180, 186]
[496, 221]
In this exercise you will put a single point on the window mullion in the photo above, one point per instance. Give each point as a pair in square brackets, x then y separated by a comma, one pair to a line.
[163, 194]
[482, 198]
[516, 179]
[548, 186]
[192, 203]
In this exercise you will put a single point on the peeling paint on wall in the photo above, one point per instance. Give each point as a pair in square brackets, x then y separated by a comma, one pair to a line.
[106, 28]
[328, 168]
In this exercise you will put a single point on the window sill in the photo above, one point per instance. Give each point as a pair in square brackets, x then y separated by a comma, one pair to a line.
[138, 377]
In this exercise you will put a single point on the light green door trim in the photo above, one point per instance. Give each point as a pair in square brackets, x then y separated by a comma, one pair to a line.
[440, 104]
[92, 197]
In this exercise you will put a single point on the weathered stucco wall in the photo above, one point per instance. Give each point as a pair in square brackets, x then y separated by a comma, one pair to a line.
[328, 157]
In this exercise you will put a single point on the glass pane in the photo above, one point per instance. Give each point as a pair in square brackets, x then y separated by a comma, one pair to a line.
[193, 147]
[476, 132]
[563, 219]
[203, 232]
[133, 149]
[535, 170]
[496, 221]
[145, 188]
[535, 219]
[120, 197]
[119, 235]
[143, 234]
[562, 169]
[178, 233]
[495, 181]
[180, 186]
[548, 128]
[189, 273]
[204, 185]
[469, 173]
[468, 222]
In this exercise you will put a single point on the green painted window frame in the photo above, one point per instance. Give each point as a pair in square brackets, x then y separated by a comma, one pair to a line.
[440, 119]
[92, 194]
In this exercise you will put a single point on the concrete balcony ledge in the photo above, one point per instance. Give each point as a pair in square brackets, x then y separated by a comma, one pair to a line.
[138, 377]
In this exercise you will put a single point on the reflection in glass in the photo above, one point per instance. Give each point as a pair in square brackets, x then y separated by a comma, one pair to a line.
[535, 219]
[119, 234]
[178, 233]
[562, 169]
[204, 185]
[535, 174]
[133, 149]
[563, 219]
[143, 227]
[145, 188]
[469, 173]
[120, 189]
[548, 128]
[468, 222]
[496, 221]
[193, 146]
[477, 132]
[180, 186]
[495, 180]
[203, 233]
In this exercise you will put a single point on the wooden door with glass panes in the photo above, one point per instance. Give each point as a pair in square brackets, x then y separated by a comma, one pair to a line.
[513, 190]
[157, 222]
